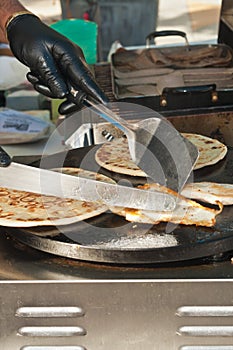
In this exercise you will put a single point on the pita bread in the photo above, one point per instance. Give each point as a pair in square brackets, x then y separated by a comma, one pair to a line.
[114, 156]
[187, 212]
[209, 192]
[24, 209]
[211, 151]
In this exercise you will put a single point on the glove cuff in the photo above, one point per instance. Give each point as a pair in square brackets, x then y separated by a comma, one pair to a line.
[16, 15]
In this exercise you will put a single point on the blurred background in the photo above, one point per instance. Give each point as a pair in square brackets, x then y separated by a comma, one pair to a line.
[129, 21]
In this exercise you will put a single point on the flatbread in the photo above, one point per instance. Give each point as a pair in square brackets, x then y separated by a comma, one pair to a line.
[114, 156]
[24, 209]
[187, 212]
[209, 192]
[211, 151]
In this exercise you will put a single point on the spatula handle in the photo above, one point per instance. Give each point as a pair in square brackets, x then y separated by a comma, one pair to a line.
[110, 116]
[102, 110]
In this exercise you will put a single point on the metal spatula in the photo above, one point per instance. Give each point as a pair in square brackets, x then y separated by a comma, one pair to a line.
[154, 144]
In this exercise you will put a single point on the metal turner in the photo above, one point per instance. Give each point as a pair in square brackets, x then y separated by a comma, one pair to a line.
[155, 145]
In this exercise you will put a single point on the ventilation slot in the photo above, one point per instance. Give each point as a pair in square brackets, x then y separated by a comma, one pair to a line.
[55, 347]
[206, 331]
[50, 311]
[51, 331]
[207, 347]
[205, 311]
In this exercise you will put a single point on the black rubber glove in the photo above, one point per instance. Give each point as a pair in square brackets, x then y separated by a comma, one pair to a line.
[56, 64]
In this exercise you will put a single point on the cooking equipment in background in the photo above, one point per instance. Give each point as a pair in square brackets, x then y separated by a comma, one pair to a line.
[173, 78]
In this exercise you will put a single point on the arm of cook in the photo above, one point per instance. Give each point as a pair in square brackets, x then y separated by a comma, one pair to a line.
[56, 64]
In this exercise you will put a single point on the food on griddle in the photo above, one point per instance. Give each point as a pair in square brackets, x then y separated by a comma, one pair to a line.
[211, 151]
[114, 156]
[25, 209]
[187, 212]
[209, 192]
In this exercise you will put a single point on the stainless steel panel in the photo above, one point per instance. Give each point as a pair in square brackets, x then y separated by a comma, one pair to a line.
[129, 315]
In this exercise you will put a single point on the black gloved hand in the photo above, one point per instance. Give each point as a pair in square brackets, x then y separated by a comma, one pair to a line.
[56, 64]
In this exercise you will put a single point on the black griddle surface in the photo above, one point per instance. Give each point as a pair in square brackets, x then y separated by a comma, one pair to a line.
[101, 239]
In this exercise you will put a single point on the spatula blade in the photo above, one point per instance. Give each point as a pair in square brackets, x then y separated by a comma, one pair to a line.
[163, 153]
[154, 144]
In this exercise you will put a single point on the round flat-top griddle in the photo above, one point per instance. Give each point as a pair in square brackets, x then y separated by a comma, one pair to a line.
[109, 238]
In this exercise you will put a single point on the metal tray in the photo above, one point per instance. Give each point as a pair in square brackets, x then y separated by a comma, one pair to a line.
[169, 78]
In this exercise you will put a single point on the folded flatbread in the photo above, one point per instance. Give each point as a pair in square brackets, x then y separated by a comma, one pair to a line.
[209, 192]
[187, 212]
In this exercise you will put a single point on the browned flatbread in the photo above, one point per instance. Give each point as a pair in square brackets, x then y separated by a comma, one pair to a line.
[187, 212]
[211, 151]
[24, 209]
[115, 156]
